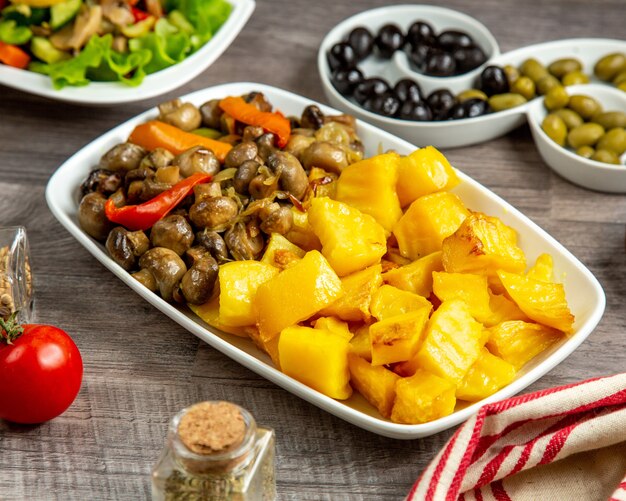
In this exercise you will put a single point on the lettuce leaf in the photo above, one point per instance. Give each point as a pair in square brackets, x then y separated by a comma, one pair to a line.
[206, 16]
[97, 61]
[166, 44]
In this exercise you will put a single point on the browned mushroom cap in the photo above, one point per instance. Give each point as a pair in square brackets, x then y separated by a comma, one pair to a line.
[211, 114]
[264, 184]
[185, 116]
[122, 157]
[245, 241]
[298, 143]
[312, 117]
[152, 187]
[91, 216]
[197, 284]
[265, 144]
[197, 159]
[125, 247]
[214, 243]
[245, 173]
[244, 151]
[166, 267]
[325, 155]
[172, 232]
[157, 158]
[194, 254]
[145, 278]
[252, 132]
[216, 213]
[288, 168]
[279, 220]
[102, 181]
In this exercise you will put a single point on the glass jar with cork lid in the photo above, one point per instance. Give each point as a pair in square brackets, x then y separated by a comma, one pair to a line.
[215, 451]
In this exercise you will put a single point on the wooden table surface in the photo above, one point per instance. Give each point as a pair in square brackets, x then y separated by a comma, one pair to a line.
[141, 368]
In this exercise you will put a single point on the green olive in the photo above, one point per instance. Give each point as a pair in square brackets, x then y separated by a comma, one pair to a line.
[585, 151]
[512, 73]
[610, 65]
[471, 94]
[613, 140]
[562, 67]
[575, 78]
[570, 117]
[610, 119]
[619, 78]
[584, 135]
[605, 156]
[533, 69]
[524, 86]
[546, 83]
[555, 128]
[556, 98]
[501, 102]
[585, 106]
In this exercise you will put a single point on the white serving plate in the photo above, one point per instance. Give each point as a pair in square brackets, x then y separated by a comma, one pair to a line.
[584, 293]
[579, 170]
[450, 133]
[155, 84]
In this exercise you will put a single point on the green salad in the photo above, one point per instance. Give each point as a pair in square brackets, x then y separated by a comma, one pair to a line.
[80, 41]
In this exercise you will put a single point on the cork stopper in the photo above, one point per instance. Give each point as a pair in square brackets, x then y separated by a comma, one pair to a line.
[212, 427]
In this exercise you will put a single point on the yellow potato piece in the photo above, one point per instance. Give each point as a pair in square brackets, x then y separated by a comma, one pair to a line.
[295, 294]
[472, 289]
[375, 383]
[396, 339]
[317, 358]
[417, 276]
[488, 375]
[389, 301]
[281, 253]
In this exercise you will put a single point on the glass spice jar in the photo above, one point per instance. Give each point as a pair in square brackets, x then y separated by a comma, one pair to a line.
[16, 284]
[215, 451]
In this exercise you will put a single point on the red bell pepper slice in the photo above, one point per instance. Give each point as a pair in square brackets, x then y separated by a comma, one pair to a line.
[139, 14]
[248, 114]
[145, 215]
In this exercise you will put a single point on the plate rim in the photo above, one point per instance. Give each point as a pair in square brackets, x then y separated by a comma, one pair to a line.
[155, 84]
[209, 335]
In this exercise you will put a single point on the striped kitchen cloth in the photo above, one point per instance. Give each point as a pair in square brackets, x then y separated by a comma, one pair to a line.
[566, 443]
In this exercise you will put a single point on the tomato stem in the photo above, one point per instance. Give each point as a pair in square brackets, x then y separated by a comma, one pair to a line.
[11, 329]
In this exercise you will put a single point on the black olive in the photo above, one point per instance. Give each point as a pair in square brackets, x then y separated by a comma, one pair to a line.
[408, 90]
[468, 58]
[341, 56]
[493, 81]
[420, 32]
[475, 107]
[346, 80]
[453, 39]
[369, 88]
[418, 55]
[440, 64]
[362, 41]
[386, 104]
[419, 112]
[457, 112]
[388, 40]
[440, 101]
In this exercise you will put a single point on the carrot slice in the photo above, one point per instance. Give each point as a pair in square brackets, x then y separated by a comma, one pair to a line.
[156, 134]
[241, 111]
[13, 56]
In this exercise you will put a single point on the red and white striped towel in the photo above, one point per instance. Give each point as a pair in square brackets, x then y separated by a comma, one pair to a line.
[566, 443]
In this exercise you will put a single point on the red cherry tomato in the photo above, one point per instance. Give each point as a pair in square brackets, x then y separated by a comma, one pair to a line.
[41, 372]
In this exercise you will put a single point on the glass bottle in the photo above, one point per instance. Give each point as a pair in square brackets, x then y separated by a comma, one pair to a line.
[243, 472]
[16, 284]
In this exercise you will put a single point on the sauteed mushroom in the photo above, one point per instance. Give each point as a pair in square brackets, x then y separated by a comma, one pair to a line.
[197, 159]
[244, 241]
[172, 232]
[197, 283]
[214, 243]
[245, 173]
[166, 267]
[91, 216]
[325, 155]
[244, 151]
[215, 213]
[185, 116]
[157, 158]
[102, 181]
[122, 157]
[293, 178]
[125, 246]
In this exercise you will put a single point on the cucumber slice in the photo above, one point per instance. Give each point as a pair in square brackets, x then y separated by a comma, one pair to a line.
[63, 13]
[43, 49]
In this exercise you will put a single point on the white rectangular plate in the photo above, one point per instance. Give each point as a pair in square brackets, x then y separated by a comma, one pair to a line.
[584, 293]
[155, 84]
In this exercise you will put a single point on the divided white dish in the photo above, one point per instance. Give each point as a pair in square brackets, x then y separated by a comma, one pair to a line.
[108, 93]
[584, 293]
[450, 133]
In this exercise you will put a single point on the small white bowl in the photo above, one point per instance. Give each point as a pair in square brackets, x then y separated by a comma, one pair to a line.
[155, 84]
[579, 170]
[584, 293]
[449, 133]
